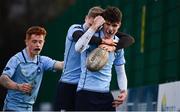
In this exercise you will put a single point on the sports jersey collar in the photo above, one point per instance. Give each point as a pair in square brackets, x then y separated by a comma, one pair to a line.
[27, 58]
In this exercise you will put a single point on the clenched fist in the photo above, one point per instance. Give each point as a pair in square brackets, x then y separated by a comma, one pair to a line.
[24, 87]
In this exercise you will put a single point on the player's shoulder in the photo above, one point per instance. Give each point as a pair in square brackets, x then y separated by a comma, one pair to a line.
[76, 25]
[74, 28]
[18, 56]
[44, 58]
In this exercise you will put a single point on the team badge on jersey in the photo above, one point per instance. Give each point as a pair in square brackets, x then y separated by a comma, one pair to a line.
[38, 69]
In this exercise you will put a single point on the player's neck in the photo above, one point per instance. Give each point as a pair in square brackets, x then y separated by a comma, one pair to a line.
[30, 55]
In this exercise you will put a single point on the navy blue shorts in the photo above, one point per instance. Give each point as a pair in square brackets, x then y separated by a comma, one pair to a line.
[65, 98]
[94, 101]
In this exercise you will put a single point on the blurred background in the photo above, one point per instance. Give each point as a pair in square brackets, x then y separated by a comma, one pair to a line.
[151, 61]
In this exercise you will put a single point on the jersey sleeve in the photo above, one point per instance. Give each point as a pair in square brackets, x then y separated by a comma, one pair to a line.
[71, 31]
[119, 57]
[11, 66]
[121, 77]
[48, 63]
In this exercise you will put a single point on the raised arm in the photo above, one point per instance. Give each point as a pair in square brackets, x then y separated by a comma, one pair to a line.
[59, 65]
[83, 41]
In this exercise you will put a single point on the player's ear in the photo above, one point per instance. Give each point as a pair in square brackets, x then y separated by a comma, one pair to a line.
[26, 42]
[86, 18]
[119, 25]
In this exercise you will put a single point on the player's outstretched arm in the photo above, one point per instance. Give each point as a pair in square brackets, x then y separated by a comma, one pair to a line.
[59, 65]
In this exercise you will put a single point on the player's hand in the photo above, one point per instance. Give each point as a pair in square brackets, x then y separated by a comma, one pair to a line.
[98, 21]
[108, 48]
[109, 41]
[24, 87]
[120, 99]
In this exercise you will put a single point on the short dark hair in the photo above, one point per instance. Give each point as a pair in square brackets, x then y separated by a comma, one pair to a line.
[112, 14]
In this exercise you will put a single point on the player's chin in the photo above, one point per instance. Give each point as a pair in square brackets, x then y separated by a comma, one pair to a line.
[109, 35]
[37, 52]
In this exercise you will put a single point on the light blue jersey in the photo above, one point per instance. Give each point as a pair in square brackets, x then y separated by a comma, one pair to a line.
[72, 62]
[99, 81]
[21, 69]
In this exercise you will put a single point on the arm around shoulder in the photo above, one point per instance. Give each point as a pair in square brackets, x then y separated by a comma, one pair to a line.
[125, 40]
